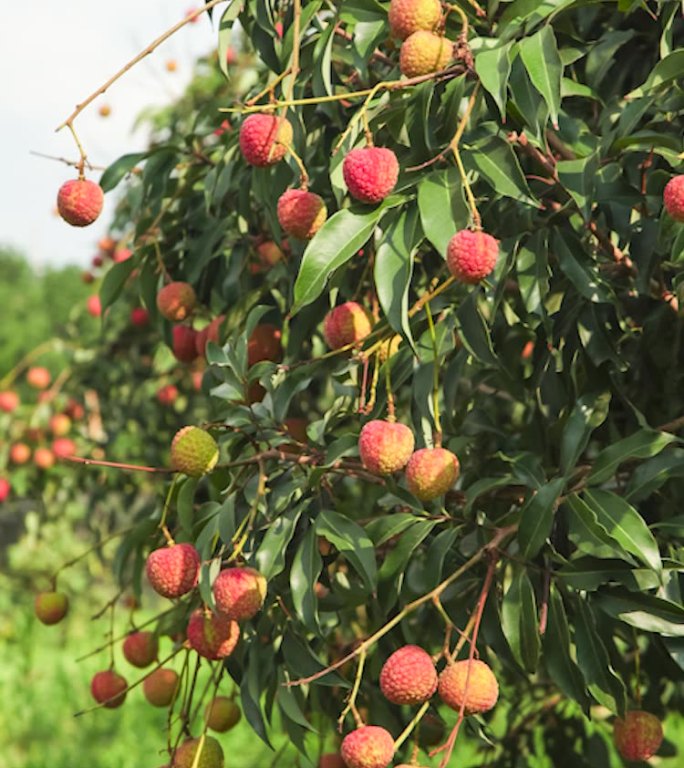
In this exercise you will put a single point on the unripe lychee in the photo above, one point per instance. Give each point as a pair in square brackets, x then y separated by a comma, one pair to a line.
[184, 343]
[331, 760]
[264, 139]
[639, 735]
[431, 472]
[108, 688]
[424, 52]
[5, 489]
[9, 401]
[194, 451]
[80, 201]
[176, 301]
[160, 687]
[471, 256]
[173, 571]
[19, 453]
[369, 746]
[139, 316]
[347, 324]
[301, 213]
[264, 344]
[51, 607]
[239, 592]
[38, 377]
[167, 394]
[140, 649]
[212, 635]
[408, 676]
[370, 173]
[385, 446]
[408, 16]
[222, 714]
[60, 424]
[673, 197]
[43, 458]
[211, 755]
[63, 447]
[483, 688]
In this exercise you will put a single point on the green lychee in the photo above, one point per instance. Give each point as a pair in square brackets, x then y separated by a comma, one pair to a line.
[222, 714]
[194, 452]
[51, 607]
[160, 687]
[210, 754]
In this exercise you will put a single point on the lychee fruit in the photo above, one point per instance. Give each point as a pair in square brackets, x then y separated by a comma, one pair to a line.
[424, 52]
[409, 16]
[108, 688]
[104, 110]
[38, 377]
[106, 245]
[431, 472]
[184, 343]
[194, 451]
[43, 458]
[63, 447]
[9, 401]
[385, 446]
[264, 344]
[370, 173]
[212, 635]
[269, 253]
[80, 202]
[60, 424]
[408, 676]
[19, 453]
[141, 648]
[264, 139]
[176, 301]
[139, 316]
[122, 254]
[211, 754]
[301, 213]
[171, 65]
[239, 593]
[348, 323]
[673, 197]
[160, 687]
[173, 571]
[94, 306]
[167, 394]
[483, 688]
[5, 489]
[639, 735]
[222, 714]
[471, 256]
[51, 607]
[369, 746]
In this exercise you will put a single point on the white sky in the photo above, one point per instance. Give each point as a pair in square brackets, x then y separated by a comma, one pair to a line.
[52, 56]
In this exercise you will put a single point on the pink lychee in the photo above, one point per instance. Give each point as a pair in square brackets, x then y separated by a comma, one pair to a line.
[385, 446]
[471, 256]
[370, 173]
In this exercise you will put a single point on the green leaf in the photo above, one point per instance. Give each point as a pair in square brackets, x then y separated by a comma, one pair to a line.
[578, 177]
[352, 542]
[590, 412]
[493, 67]
[586, 279]
[588, 535]
[532, 267]
[665, 71]
[112, 175]
[643, 611]
[474, 331]
[443, 210]
[654, 473]
[496, 161]
[519, 620]
[225, 34]
[270, 556]
[641, 445]
[185, 503]
[529, 12]
[536, 517]
[543, 63]
[114, 282]
[305, 571]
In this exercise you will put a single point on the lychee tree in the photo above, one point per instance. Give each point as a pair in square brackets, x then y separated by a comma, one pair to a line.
[477, 463]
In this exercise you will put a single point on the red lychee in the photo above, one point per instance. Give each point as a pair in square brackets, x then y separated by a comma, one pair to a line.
[264, 344]
[471, 256]
[348, 323]
[673, 197]
[160, 687]
[264, 139]
[167, 394]
[141, 648]
[51, 607]
[9, 401]
[122, 254]
[408, 676]
[483, 688]
[176, 301]
[194, 452]
[212, 635]
[269, 254]
[19, 453]
[369, 746]
[94, 305]
[80, 202]
[639, 735]
[210, 756]
[408, 16]
[239, 592]
[301, 213]
[370, 173]
[139, 316]
[63, 447]
[424, 52]
[5, 489]
[173, 571]
[184, 343]
[108, 688]
[60, 424]
[385, 446]
[222, 714]
[38, 378]
[43, 458]
[431, 472]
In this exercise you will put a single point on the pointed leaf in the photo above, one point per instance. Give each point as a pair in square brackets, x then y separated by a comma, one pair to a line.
[543, 63]
[536, 517]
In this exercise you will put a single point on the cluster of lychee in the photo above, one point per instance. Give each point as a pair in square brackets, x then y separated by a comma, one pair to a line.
[423, 49]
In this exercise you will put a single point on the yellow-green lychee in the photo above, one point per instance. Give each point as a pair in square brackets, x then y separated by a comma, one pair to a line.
[160, 687]
[194, 451]
[409, 16]
[51, 607]
[431, 472]
[210, 754]
[424, 52]
[222, 714]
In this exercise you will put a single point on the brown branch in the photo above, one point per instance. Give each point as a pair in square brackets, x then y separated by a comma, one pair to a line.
[117, 465]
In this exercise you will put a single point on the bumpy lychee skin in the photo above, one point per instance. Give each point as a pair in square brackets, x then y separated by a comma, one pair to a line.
[173, 571]
[471, 256]
[211, 755]
[108, 688]
[221, 714]
[369, 746]
[80, 202]
[347, 324]
[638, 736]
[194, 451]
[370, 173]
[408, 676]
[9, 401]
[212, 635]
[408, 16]
[385, 446]
[424, 52]
[141, 648]
[483, 688]
[673, 197]
[160, 687]
[301, 213]
[184, 343]
[176, 301]
[431, 472]
[51, 607]
[264, 139]
[239, 593]
[264, 344]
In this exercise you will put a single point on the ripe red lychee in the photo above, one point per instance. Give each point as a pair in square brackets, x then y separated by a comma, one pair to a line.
[369, 746]
[139, 316]
[264, 344]
[141, 648]
[483, 688]
[51, 607]
[639, 735]
[108, 688]
[38, 377]
[94, 305]
[408, 16]
[331, 760]
[167, 394]
[264, 139]
[194, 451]
[160, 687]
[431, 472]
[385, 446]
[19, 453]
[408, 676]
[63, 447]
[9, 401]
[176, 301]
[173, 571]
[80, 202]
[43, 458]
[348, 323]
[222, 714]
[60, 424]
[211, 754]
[239, 592]
[370, 173]
[471, 256]
[184, 343]
[424, 52]
[5, 489]
[673, 197]
[301, 213]
[212, 635]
